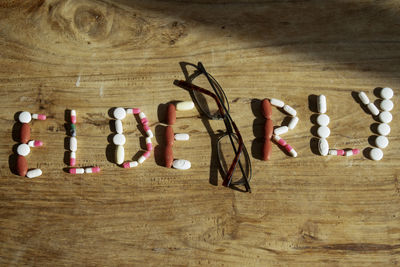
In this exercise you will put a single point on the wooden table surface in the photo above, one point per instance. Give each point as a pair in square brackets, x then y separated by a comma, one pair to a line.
[92, 56]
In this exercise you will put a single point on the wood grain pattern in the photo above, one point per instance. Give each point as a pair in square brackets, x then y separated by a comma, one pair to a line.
[93, 55]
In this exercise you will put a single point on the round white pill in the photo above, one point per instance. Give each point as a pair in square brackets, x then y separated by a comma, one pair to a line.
[25, 117]
[181, 164]
[387, 93]
[383, 129]
[376, 154]
[34, 173]
[385, 117]
[323, 132]
[323, 120]
[23, 150]
[119, 113]
[381, 141]
[119, 139]
[386, 105]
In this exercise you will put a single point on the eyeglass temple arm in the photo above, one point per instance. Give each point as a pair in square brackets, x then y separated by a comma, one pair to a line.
[189, 86]
[239, 149]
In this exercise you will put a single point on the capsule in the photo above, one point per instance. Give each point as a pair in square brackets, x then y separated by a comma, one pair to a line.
[25, 117]
[279, 140]
[25, 133]
[149, 145]
[364, 98]
[144, 121]
[130, 164]
[72, 159]
[321, 104]
[351, 152]
[168, 156]
[119, 139]
[181, 164]
[34, 173]
[181, 137]
[35, 143]
[266, 109]
[145, 156]
[281, 130]
[185, 105]
[267, 148]
[293, 122]
[291, 150]
[323, 147]
[336, 152]
[95, 169]
[129, 111]
[276, 102]
[119, 155]
[22, 165]
[76, 170]
[40, 117]
[268, 128]
[118, 126]
[72, 129]
[73, 144]
[23, 150]
[289, 110]
[136, 111]
[171, 114]
[373, 109]
[142, 115]
[149, 133]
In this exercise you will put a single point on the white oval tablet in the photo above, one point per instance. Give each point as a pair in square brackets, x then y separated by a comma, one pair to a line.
[376, 154]
[385, 117]
[386, 93]
[323, 147]
[276, 102]
[23, 150]
[386, 105]
[293, 122]
[373, 109]
[281, 130]
[185, 105]
[364, 98]
[181, 137]
[381, 141]
[321, 104]
[34, 173]
[323, 131]
[119, 155]
[118, 126]
[119, 113]
[181, 164]
[383, 129]
[73, 144]
[289, 110]
[25, 117]
[323, 120]
[119, 139]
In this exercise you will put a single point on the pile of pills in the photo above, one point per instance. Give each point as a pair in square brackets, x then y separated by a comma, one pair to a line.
[180, 164]
[383, 116]
[24, 148]
[73, 147]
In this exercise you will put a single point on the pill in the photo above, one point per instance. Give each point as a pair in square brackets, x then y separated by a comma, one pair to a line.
[267, 148]
[119, 113]
[76, 170]
[323, 120]
[145, 156]
[386, 93]
[142, 115]
[149, 145]
[364, 98]
[291, 150]
[73, 116]
[383, 129]
[72, 130]
[145, 121]
[136, 110]
[146, 127]
[381, 141]
[385, 117]
[130, 164]
[40, 117]
[289, 110]
[25, 133]
[276, 102]
[119, 139]
[22, 165]
[336, 152]
[386, 105]
[181, 137]
[119, 155]
[321, 104]
[73, 144]
[171, 114]
[95, 169]
[141, 160]
[279, 140]
[181, 164]
[25, 117]
[149, 133]
[35, 143]
[373, 109]
[118, 126]
[168, 156]
[351, 152]
[34, 173]
[72, 158]
[185, 105]
[376, 154]
[323, 146]
[323, 132]
[268, 128]
[293, 122]
[266, 109]
[23, 150]
[281, 130]
[129, 111]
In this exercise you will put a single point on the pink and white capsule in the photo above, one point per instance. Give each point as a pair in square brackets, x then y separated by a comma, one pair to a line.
[149, 145]
[149, 133]
[145, 156]
[35, 143]
[145, 121]
[76, 170]
[72, 159]
[279, 140]
[136, 110]
[130, 164]
[142, 115]
[291, 150]
[336, 152]
[73, 116]
[40, 117]
[351, 152]
[94, 169]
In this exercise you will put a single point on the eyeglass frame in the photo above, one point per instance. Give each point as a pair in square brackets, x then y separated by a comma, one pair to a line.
[228, 121]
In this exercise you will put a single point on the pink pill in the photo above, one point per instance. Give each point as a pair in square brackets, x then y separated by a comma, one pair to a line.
[149, 147]
[136, 110]
[146, 127]
[145, 121]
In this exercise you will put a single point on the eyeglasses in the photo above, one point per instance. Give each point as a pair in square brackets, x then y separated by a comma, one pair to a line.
[232, 153]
